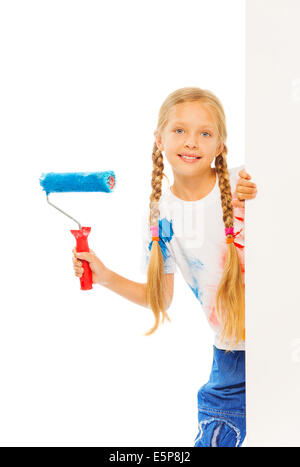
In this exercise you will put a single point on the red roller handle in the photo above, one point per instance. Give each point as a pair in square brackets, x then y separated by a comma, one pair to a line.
[86, 281]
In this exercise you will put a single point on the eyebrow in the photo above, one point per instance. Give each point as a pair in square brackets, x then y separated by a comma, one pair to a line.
[201, 126]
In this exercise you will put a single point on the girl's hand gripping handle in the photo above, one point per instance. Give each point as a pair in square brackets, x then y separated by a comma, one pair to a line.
[86, 282]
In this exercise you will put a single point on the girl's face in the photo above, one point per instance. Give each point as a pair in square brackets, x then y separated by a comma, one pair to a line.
[190, 131]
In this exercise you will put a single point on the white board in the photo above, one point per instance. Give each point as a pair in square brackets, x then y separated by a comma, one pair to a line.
[272, 228]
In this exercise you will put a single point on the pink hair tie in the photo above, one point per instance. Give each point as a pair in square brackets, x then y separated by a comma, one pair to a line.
[155, 234]
[228, 231]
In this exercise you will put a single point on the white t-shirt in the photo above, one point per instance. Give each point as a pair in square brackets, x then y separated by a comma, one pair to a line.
[192, 238]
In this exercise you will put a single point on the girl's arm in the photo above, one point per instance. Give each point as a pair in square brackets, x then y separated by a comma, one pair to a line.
[133, 291]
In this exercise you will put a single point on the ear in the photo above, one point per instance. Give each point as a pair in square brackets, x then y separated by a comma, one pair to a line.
[158, 140]
[220, 148]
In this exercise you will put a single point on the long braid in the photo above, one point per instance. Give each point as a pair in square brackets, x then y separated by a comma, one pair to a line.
[230, 296]
[156, 285]
[225, 188]
[156, 183]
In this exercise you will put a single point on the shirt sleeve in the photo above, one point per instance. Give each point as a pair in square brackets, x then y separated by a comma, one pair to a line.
[168, 257]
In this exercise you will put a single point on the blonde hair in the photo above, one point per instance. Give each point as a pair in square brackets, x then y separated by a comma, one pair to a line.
[230, 296]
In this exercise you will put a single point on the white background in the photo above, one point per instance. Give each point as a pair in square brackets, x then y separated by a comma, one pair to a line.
[81, 87]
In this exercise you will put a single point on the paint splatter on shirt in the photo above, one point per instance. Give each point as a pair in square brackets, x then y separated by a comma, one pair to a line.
[192, 238]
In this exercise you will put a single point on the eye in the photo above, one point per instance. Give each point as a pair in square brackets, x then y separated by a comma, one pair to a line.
[180, 129]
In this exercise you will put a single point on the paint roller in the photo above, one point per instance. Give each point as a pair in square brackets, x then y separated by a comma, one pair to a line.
[53, 182]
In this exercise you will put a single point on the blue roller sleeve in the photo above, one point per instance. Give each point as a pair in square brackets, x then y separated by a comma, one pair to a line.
[53, 182]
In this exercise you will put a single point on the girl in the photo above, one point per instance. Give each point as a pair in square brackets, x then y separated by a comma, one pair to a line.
[191, 130]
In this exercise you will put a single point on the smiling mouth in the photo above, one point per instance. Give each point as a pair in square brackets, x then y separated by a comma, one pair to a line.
[188, 158]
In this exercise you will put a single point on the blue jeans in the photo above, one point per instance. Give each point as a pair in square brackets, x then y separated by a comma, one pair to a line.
[221, 402]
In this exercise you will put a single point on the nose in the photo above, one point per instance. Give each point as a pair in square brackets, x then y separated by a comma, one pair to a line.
[190, 144]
